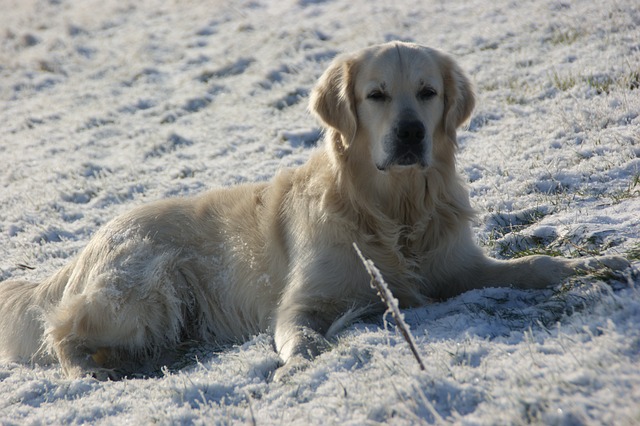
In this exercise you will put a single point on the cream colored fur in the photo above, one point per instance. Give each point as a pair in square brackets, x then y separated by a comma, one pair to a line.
[278, 256]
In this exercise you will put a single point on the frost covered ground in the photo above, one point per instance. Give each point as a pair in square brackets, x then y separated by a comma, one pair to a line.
[107, 104]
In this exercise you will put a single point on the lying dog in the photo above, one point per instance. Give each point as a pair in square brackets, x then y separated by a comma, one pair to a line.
[230, 263]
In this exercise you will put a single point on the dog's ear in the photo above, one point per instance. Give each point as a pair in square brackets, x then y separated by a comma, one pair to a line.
[333, 99]
[459, 97]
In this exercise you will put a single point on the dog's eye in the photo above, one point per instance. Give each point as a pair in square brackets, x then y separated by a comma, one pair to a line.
[378, 96]
[426, 93]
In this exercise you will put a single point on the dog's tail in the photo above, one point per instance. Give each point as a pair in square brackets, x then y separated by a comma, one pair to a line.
[23, 306]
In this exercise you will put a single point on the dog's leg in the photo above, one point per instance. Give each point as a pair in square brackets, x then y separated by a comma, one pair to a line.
[78, 361]
[298, 338]
[90, 335]
[537, 271]
[68, 336]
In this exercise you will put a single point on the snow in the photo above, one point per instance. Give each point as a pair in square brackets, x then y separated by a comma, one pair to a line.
[108, 104]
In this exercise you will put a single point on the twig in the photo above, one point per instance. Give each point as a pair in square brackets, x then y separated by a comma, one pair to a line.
[378, 283]
[25, 266]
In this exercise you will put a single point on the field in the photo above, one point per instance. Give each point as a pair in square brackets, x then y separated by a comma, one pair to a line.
[106, 105]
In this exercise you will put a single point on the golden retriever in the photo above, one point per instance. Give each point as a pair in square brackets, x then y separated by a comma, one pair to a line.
[230, 263]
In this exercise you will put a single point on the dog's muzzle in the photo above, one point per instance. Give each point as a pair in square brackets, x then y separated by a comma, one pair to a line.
[409, 143]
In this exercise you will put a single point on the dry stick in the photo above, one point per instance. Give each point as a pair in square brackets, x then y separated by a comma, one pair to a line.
[378, 283]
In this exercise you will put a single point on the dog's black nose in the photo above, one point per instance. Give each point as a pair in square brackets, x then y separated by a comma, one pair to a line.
[410, 131]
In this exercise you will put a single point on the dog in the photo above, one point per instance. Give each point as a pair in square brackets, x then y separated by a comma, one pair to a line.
[278, 256]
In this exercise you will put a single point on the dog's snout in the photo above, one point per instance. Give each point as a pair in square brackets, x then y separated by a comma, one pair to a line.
[408, 146]
[410, 131]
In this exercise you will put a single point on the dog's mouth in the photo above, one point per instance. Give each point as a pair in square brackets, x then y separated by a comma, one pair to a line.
[401, 164]
[409, 159]
[404, 157]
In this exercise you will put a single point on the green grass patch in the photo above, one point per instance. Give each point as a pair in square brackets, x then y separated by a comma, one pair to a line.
[562, 83]
[601, 84]
[634, 253]
[526, 245]
[633, 80]
[632, 191]
[565, 36]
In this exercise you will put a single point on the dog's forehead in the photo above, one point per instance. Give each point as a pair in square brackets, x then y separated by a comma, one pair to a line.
[401, 65]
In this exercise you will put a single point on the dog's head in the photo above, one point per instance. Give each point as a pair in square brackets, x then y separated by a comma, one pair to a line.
[399, 103]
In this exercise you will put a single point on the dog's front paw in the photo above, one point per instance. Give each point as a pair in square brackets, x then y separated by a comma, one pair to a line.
[615, 263]
[294, 365]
